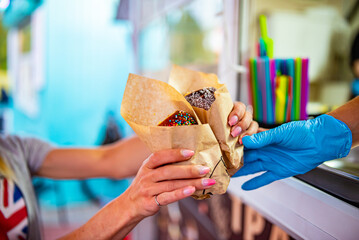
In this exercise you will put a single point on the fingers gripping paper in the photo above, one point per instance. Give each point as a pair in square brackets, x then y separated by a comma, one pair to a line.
[147, 102]
[186, 81]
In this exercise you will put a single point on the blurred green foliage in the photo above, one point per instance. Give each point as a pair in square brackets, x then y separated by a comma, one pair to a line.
[187, 39]
[26, 38]
[3, 48]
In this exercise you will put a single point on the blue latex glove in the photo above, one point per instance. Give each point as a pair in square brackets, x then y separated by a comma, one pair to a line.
[293, 148]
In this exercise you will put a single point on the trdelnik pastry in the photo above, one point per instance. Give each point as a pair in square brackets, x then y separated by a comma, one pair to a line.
[148, 103]
[202, 98]
[178, 118]
[212, 103]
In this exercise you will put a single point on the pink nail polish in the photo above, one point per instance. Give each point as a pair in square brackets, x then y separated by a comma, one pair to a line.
[236, 131]
[188, 191]
[233, 120]
[187, 153]
[208, 182]
[203, 170]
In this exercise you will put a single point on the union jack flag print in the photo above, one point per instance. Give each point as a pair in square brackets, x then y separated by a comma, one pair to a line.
[13, 214]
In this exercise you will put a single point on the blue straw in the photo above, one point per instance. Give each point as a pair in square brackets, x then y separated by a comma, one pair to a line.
[262, 87]
[270, 117]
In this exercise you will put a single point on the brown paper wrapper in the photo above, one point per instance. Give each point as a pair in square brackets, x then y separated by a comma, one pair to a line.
[186, 81]
[147, 102]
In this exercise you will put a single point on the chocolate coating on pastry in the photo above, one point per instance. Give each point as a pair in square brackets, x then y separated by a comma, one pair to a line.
[202, 98]
[178, 118]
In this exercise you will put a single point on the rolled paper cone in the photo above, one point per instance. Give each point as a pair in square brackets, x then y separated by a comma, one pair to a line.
[147, 102]
[187, 81]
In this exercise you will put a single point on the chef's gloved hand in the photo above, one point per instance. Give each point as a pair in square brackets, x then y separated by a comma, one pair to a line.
[293, 148]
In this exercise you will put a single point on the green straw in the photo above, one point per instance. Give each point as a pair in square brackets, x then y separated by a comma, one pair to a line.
[297, 91]
[255, 89]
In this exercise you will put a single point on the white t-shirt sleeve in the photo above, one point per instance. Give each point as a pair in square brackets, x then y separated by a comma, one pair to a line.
[33, 150]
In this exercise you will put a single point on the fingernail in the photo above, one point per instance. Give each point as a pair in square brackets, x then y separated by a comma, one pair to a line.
[236, 131]
[240, 141]
[188, 191]
[233, 120]
[187, 153]
[203, 170]
[208, 182]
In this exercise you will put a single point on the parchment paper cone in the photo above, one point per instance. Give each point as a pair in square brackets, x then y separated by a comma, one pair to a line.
[146, 102]
[186, 81]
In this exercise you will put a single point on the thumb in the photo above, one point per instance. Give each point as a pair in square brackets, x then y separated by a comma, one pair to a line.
[260, 181]
[261, 139]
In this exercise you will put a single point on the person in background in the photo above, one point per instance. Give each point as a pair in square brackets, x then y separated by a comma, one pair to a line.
[298, 147]
[157, 183]
[354, 64]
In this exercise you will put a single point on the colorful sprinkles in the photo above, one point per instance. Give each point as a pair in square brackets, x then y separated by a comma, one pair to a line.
[178, 118]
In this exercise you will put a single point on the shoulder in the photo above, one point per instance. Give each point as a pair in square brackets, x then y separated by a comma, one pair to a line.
[11, 143]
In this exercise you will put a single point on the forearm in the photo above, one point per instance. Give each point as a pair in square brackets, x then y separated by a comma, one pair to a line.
[131, 151]
[73, 163]
[349, 114]
[119, 160]
[114, 221]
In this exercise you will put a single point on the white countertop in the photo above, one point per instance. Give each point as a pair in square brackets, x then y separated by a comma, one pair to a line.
[301, 210]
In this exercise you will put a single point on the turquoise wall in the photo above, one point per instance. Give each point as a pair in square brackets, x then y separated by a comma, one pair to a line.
[88, 58]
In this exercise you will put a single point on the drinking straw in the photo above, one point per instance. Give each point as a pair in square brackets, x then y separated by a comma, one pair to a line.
[283, 65]
[289, 99]
[297, 82]
[262, 85]
[250, 84]
[264, 33]
[270, 117]
[263, 26]
[276, 84]
[291, 73]
[305, 90]
[256, 93]
[285, 93]
[269, 47]
[280, 98]
[262, 47]
[273, 74]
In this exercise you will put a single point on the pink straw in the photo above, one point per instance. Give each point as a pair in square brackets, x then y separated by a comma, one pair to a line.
[305, 89]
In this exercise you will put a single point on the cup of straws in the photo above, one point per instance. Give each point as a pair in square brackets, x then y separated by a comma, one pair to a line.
[278, 89]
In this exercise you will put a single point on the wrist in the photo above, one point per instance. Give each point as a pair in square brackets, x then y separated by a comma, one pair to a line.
[133, 211]
[107, 163]
[334, 135]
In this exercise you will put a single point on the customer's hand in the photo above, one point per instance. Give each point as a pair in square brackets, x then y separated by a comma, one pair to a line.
[293, 148]
[241, 122]
[169, 183]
